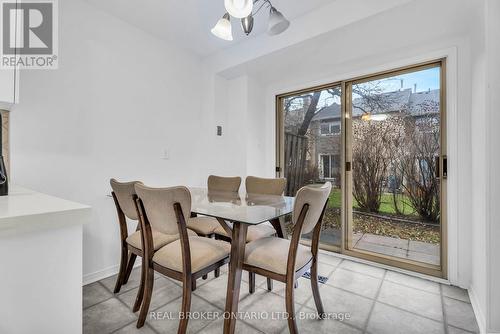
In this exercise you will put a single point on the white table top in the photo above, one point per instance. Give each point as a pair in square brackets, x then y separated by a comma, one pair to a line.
[241, 207]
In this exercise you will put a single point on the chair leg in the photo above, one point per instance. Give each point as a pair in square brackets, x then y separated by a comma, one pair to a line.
[296, 284]
[217, 272]
[204, 277]
[251, 282]
[121, 273]
[130, 266]
[186, 304]
[148, 291]
[193, 285]
[315, 289]
[269, 284]
[140, 291]
[290, 308]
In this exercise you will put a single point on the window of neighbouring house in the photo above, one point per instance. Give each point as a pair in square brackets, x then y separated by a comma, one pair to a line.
[325, 128]
[335, 129]
[330, 164]
[330, 128]
[325, 166]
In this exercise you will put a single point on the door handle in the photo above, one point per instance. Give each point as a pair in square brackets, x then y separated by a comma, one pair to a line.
[445, 167]
[437, 164]
[438, 167]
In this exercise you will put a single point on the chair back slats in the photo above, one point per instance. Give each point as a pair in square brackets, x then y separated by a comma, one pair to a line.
[159, 206]
[221, 183]
[124, 193]
[259, 185]
[315, 196]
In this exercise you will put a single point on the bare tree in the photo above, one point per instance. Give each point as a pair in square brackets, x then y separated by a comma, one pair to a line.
[371, 151]
[418, 167]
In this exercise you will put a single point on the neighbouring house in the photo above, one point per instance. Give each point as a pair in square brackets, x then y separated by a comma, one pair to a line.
[325, 138]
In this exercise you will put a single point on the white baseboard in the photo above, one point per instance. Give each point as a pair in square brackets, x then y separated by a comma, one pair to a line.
[478, 312]
[104, 273]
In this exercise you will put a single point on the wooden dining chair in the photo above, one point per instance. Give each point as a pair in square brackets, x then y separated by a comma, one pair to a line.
[258, 186]
[262, 186]
[223, 183]
[187, 259]
[206, 226]
[131, 245]
[287, 260]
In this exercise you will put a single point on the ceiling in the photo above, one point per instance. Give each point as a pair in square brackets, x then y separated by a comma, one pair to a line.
[188, 22]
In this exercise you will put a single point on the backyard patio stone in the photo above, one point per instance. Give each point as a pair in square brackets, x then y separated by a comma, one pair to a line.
[424, 247]
[381, 249]
[422, 257]
[385, 241]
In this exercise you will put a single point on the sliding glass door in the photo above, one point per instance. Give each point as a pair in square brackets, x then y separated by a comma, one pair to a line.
[380, 140]
[311, 139]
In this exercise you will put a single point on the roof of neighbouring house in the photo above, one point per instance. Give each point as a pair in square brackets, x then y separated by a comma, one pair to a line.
[332, 111]
[424, 102]
[417, 103]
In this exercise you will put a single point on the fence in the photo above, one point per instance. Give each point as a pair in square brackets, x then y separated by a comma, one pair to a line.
[295, 162]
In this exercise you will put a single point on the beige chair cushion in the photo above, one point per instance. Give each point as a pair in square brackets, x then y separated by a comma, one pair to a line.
[204, 252]
[253, 233]
[159, 239]
[203, 225]
[272, 254]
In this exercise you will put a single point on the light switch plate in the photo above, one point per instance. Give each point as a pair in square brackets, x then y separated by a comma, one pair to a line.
[166, 154]
[219, 130]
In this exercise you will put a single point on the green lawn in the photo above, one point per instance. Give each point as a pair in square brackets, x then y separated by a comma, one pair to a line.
[386, 206]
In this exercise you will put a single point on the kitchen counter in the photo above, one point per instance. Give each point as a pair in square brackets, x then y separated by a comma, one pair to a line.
[20, 210]
[41, 263]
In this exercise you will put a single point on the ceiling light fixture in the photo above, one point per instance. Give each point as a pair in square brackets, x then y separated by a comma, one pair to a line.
[243, 9]
[277, 22]
[223, 28]
[239, 8]
[247, 24]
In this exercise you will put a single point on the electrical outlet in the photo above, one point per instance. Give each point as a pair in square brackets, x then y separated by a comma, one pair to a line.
[219, 130]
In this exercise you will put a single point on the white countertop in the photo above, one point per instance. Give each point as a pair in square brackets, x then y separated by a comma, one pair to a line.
[24, 208]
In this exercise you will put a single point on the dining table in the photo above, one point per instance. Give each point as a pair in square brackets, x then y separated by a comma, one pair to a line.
[236, 211]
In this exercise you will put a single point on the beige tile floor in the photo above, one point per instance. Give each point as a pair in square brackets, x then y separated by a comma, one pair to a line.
[372, 300]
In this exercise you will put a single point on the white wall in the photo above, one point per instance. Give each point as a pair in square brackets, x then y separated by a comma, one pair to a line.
[493, 188]
[478, 289]
[119, 98]
[485, 286]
